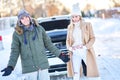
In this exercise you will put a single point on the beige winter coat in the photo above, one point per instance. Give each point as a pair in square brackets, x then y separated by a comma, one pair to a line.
[88, 40]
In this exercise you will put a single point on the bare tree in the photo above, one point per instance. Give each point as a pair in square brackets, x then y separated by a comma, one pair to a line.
[23, 3]
[116, 3]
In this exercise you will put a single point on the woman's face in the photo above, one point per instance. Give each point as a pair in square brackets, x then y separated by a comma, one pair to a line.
[75, 18]
[25, 20]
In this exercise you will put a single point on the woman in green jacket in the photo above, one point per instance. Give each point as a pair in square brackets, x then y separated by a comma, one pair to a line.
[29, 41]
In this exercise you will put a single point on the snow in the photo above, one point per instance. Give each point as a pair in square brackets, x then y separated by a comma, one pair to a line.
[106, 48]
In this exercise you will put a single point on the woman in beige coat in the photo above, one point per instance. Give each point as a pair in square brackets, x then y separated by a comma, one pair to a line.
[80, 40]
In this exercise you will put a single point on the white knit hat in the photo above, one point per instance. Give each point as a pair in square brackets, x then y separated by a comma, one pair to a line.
[76, 10]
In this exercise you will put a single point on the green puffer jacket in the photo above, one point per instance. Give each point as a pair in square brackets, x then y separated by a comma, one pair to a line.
[33, 54]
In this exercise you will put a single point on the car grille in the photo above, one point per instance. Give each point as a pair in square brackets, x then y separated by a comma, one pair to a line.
[50, 55]
[60, 67]
[56, 67]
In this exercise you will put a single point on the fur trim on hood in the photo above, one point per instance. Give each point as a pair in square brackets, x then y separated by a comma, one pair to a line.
[19, 29]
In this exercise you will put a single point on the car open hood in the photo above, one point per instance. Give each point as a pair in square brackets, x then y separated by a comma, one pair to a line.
[55, 24]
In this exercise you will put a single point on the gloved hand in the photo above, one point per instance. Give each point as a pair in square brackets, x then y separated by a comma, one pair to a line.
[7, 71]
[64, 57]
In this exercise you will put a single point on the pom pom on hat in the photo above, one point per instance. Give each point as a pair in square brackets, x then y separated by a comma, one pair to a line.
[76, 10]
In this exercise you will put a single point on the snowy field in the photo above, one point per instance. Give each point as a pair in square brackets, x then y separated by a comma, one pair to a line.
[106, 48]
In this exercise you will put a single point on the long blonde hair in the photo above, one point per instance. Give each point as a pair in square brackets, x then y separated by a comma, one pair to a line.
[71, 21]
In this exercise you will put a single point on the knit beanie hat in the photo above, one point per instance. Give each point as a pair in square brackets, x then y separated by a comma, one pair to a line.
[76, 10]
[21, 14]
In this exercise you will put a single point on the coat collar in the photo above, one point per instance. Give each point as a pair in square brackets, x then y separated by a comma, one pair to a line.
[70, 29]
[19, 29]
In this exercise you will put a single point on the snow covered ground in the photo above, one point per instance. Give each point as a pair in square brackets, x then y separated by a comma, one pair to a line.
[106, 48]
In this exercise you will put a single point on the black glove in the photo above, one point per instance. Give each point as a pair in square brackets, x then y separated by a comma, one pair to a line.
[64, 57]
[7, 71]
